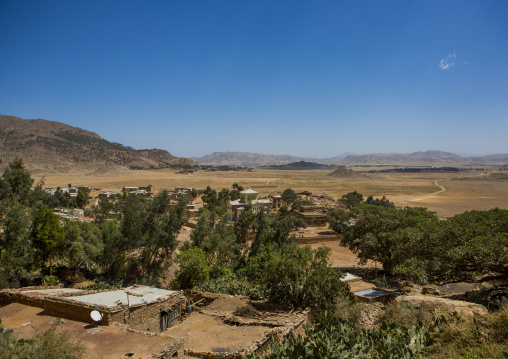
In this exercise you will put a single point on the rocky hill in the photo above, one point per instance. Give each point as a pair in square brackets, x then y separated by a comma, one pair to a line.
[342, 172]
[53, 146]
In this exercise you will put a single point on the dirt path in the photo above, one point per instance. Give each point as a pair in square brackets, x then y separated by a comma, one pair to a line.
[441, 190]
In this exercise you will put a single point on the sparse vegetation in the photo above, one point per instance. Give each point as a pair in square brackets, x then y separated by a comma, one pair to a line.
[51, 344]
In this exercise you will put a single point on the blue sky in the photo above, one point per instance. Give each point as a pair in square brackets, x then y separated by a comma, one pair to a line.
[309, 78]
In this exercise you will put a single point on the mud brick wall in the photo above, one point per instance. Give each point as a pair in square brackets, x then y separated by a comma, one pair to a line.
[146, 317]
[69, 310]
[58, 307]
[8, 296]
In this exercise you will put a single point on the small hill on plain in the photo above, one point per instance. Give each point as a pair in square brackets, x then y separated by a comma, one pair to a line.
[300, 165]
[50, 146]
[343, 172]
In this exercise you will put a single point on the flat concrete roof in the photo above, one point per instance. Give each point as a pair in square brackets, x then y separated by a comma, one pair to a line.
[371, 293]
[138, 294]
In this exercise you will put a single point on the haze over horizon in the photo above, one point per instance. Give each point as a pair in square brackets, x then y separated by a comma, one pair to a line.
[302, 78]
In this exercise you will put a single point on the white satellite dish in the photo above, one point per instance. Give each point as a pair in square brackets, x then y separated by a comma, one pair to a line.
[96, 315]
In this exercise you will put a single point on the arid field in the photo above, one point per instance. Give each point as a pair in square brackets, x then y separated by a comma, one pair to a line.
[446, 193]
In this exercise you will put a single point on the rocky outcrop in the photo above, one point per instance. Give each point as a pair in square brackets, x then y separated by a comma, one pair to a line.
[447, 306]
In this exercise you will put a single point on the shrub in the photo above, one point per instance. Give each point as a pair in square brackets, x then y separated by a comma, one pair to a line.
[50, 280]
[51, 344]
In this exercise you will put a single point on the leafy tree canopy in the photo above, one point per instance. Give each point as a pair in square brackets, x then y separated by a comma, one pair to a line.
[351, 199]
[289, 196]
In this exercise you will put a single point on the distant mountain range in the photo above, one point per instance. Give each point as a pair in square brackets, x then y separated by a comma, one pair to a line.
[49, 146]
[248, 159]
[54, 146]
[427, 158]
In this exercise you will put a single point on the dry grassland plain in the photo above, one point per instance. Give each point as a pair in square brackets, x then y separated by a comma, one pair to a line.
[446, 194]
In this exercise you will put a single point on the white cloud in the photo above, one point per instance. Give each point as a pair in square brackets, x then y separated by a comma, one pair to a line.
[447, 62]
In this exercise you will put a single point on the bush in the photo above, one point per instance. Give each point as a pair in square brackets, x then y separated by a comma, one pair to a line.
[50, 280]
[194, 269]
[232, 285]
[51, 344]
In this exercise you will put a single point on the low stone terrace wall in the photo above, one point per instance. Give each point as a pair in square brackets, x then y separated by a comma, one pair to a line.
[262, 346]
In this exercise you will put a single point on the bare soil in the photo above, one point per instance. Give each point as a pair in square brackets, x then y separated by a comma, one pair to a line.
[111, 341]
[206, 333]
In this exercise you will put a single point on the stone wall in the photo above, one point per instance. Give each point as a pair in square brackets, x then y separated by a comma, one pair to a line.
[318, 239]
[277, 335]
[147, 316]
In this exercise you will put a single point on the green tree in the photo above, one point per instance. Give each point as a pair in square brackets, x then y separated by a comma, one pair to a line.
[300, 276]
[274, 230]
[209, 197]
[467, 247]
[380, 202]
[339, 219]
[133, 213]
[234, 194]
[104, 211]
[82, 198]
[114, 252]
[218, 242]
[16, 183]
[83, 245]
[199, 235]
[47, 236]
[289, 196]
[160, 229]
[16, 251]
[351, 199]
[374, 231]
[194, 269]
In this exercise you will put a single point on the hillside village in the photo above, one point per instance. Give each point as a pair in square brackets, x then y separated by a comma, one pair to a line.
[254, 179]
[166, 265]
